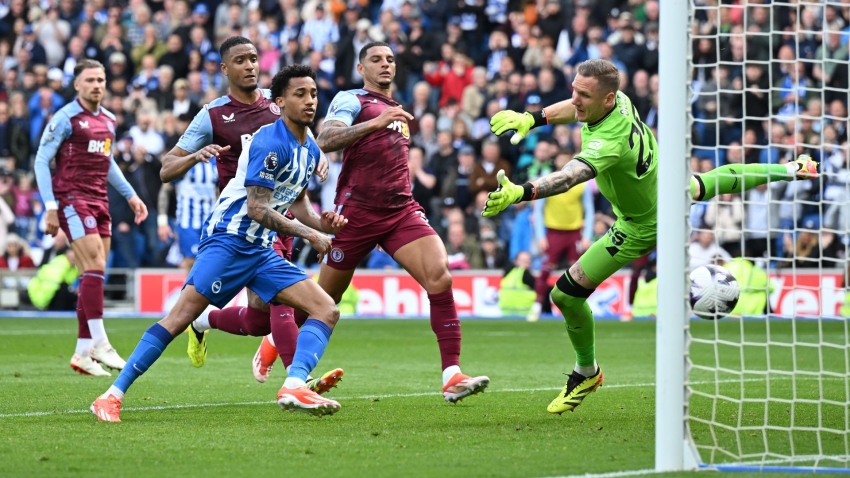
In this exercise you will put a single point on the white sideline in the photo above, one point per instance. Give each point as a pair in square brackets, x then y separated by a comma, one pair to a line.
[357, 397]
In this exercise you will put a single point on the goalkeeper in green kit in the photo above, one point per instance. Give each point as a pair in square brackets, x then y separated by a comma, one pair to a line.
[621, 153]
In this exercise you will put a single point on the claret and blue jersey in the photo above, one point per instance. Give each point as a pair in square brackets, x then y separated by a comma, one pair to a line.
[273, 159]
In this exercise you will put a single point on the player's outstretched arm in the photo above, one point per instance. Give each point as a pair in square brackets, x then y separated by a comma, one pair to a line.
[562, 112]
[575, 172]
[329, 222]
[178, 161]
[261, 211]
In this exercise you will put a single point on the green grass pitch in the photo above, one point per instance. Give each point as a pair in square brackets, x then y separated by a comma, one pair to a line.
[218, 421]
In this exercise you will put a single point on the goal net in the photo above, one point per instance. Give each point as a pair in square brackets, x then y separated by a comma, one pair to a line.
[767, 388]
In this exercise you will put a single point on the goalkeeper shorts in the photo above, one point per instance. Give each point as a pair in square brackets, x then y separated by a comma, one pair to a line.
[624, 242]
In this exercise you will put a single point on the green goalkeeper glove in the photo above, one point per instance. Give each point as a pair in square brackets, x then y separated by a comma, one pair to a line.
[508, 193]
[509, 120]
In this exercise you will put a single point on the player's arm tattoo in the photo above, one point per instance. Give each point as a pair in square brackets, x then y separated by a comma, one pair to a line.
[163, 198]
[336, 135]
[575, 172]
[261, 211]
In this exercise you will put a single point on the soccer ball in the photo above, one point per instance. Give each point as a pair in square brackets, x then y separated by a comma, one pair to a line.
[714, 292]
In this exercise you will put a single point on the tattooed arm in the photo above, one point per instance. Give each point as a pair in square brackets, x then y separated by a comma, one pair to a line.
[336, 135]
[575, 172]
[261, 211]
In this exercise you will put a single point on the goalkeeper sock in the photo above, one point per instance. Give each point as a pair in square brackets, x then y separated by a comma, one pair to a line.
[737, 178]
[571, 300]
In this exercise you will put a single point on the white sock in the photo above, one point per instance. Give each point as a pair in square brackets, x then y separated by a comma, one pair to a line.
[450, 372]
[271, 339]
[792, 168]
[309, 377]
[83, 347]
[98, 332]
[292, 382]
[113, 390]
[587, 371]
[202, 323]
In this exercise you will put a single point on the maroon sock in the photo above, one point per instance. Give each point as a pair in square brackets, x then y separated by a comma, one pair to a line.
[241, 321]
[300, 318]
[284, 332]
[91, 295]
[446, 325]
[541, 286]
[83, 331]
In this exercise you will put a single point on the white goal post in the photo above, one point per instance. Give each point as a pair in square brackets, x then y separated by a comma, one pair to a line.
[769, 391]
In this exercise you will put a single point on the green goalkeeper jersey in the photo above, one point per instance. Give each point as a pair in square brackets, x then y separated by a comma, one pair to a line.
[622, 152]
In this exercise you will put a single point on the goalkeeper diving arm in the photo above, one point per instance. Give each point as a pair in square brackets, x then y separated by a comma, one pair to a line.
[521, 123]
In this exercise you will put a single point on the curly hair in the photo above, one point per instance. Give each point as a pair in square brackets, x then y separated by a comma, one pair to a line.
[280, 82]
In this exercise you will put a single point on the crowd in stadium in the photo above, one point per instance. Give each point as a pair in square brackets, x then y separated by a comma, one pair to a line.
[459, 62]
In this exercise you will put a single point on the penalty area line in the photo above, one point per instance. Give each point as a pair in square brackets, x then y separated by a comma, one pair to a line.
[613, 474]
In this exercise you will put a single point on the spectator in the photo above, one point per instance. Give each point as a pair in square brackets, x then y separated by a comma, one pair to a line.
[52, 287]
[456, 182]
[175, 56]
[704, 250]
[462, 250]
[724, 215]
[321, 29]
[16, 256]
[149, 45]
[450, 79]
[483, 176]
[36, 52]
[492, 252]
[422, 179]
[145, 136]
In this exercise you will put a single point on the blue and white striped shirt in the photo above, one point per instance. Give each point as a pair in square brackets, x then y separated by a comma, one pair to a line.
[196, 194]
[273, 159]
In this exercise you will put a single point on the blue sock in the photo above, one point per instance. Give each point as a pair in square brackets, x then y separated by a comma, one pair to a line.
[150, 347]
[311, 344]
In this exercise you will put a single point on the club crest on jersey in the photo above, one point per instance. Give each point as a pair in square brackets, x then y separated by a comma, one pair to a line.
[216, 287]
[271, 161]
[275, 109]
[229, 118]
[90, 222]
[337, 255]
[401, 127]
[104, 147]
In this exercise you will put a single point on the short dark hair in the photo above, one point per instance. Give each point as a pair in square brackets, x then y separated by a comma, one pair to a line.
[231, 42]
[280, 82]
[365, 50]
[606, 74]
[85, 64]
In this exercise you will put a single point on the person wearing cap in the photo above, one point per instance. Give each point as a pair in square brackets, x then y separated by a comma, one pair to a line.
[38, 56]
[211, 76]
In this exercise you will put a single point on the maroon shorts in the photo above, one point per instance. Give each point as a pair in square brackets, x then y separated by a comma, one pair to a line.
[562, 244]
[367, 228]
[283, 247]
[77, 218]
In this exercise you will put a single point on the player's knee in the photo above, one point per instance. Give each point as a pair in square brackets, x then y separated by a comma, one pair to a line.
[329, 314]
[439, 282]
[568, 293]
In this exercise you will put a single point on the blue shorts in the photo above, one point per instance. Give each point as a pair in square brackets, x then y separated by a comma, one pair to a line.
[189, 241]
[225, 265]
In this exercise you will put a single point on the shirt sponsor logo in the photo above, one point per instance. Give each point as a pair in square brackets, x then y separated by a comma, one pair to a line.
[103, 147]
[401, 127]
[229, 118]
[266, 176]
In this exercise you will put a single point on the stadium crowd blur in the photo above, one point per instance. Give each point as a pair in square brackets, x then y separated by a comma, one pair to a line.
[459, 62]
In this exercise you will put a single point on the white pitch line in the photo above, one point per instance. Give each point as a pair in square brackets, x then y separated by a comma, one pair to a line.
[362, 397]
[613, 474]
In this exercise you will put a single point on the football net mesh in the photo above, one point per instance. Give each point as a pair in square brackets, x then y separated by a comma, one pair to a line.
[769, 82]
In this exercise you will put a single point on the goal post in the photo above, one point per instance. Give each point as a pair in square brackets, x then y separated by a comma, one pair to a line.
[767, 389]
[673, 201]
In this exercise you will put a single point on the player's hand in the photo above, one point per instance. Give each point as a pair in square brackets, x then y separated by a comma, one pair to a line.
[321, 243]
[543, 245]
[210, 151]
[51, 222]
[389, 115]
[332, 222]
[322, 168]
[165, 233]
[520, 123]
[139, 209]
[508, 193]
